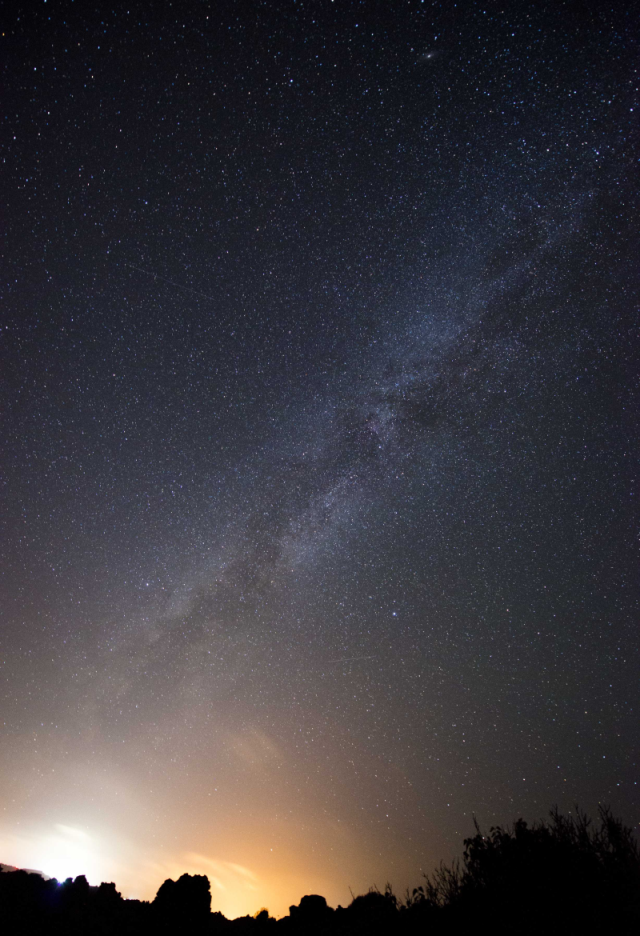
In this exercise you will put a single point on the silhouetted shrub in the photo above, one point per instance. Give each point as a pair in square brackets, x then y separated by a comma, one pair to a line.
[564, 875]
[311, 915]
[374, 912]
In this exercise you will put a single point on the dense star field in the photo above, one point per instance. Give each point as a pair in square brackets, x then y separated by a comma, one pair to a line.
[320, 428]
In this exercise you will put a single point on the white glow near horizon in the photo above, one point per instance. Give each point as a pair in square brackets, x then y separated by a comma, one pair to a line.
[69, 852]
[62, 852]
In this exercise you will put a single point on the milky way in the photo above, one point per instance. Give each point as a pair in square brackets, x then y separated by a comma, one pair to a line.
[320, 418]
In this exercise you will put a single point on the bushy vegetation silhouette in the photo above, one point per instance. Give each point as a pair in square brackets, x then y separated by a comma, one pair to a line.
[566, 875]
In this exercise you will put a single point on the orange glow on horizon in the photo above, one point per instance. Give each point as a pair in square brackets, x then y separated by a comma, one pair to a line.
[267, 876]
[249, 815]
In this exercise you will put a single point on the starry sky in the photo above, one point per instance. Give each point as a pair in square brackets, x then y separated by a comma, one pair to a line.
[319, 353]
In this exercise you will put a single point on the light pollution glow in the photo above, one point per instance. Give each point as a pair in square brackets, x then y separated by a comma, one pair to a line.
[255, 851]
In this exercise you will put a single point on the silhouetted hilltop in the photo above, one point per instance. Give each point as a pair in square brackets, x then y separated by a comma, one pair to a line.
[6, 867]
[565, 876]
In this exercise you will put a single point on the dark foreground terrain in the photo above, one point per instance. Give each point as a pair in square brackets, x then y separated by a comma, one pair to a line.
[567, 875]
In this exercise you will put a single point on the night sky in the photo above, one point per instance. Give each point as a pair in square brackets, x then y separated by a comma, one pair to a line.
[320, 400]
